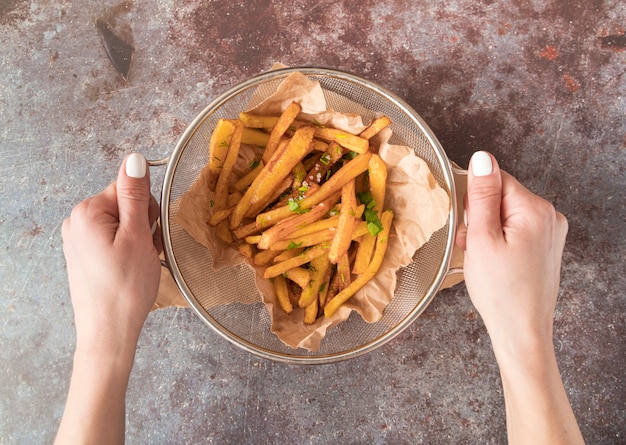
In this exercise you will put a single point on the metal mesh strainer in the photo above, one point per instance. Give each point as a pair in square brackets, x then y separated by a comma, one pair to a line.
[210, 293]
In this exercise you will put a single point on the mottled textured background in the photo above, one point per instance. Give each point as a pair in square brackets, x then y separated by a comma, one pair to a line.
[540, 84]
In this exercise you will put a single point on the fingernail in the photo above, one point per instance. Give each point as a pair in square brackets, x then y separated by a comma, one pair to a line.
[465, 217]
[481, 164]
[154, 227]
[136, 166]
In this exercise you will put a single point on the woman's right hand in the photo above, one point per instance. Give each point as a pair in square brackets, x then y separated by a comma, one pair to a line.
[513, 242]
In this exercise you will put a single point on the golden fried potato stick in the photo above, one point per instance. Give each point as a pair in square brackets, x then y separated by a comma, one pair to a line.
[250, 120]
[245, 230]
[375, 127]
[319, 267]
[378, 185]
[264, 257]
[275, 171]
[282, 293]
[242, 183]
[246, 250]
[221, 188]
[310, 312]
[280, 189]
[218, 216]
[343, 268]
[287, 254]
[343, 237]
[252, 239]
[303, 258]
[350, 170]
[343, 138]
[255, 137]
[218, 149]
[287, 226]
[381, 247]
[299, 275]
[325, 235]
[279, 129]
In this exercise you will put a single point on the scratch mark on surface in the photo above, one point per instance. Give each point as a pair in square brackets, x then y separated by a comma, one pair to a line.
[169, 328]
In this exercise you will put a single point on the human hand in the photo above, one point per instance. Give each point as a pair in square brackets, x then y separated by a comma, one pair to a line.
[113, 260]
[513, 242]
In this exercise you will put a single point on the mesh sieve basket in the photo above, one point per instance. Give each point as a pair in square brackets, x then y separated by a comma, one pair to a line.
[211, 293]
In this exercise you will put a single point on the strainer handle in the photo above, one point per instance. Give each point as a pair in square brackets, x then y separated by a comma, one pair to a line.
[455, 272]
[158, 162]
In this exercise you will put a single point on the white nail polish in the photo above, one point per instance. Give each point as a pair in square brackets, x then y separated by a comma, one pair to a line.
[136, 165]
[154, 227]
[481, 164]
[465, 217]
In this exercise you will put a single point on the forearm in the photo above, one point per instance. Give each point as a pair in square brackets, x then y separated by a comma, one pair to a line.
[95, 408]
[537, 408]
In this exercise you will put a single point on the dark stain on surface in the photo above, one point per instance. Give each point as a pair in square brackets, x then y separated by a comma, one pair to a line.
[12, 10]
[616, 42]
[120, 51]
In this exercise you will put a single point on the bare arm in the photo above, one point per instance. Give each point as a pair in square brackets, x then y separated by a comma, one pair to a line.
[113, 269]
[513, 245]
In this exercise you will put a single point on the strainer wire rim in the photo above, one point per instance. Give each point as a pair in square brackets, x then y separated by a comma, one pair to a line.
[294, 358]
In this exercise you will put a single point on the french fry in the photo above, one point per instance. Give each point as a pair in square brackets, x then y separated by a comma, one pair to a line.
[250, 120]
[264, 257]
[343, 237]
[320, 266]
[325, 235]
[378, 184]
[310, 312]
[343, 269]
[287, 254]
[361, 280]
[221, 188]
[242, 183]
[288, 226]
[375, 127]
[243, 206]
[252, 239]
[218, 216]
[246, 250]
[245, 230]
[279, 129]
[284, 266]
[218, 149]
[349, 171]
[282, 293]
[299, 275]
[251, 136]
[343, 138]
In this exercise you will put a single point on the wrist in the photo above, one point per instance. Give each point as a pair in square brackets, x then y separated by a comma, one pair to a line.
[115, 353]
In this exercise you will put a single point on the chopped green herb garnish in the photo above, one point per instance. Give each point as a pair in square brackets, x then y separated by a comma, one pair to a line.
[224, 143]
[293, 245]
[293, 204]
[374, 225]
[322, 287]
[254, 164]
[350, 155]
[325, 159]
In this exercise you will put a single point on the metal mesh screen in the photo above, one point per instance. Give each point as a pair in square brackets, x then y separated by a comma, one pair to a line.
[210, 292]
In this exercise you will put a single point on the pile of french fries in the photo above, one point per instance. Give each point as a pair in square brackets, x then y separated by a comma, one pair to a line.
[308, 209]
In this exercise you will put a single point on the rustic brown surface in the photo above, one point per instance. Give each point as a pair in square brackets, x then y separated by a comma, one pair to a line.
[540, 84]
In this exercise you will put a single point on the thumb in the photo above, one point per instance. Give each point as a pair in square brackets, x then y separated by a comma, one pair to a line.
[484, 197]
[133, 194]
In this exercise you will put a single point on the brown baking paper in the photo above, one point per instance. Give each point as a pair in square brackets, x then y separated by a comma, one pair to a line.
[420, 206]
